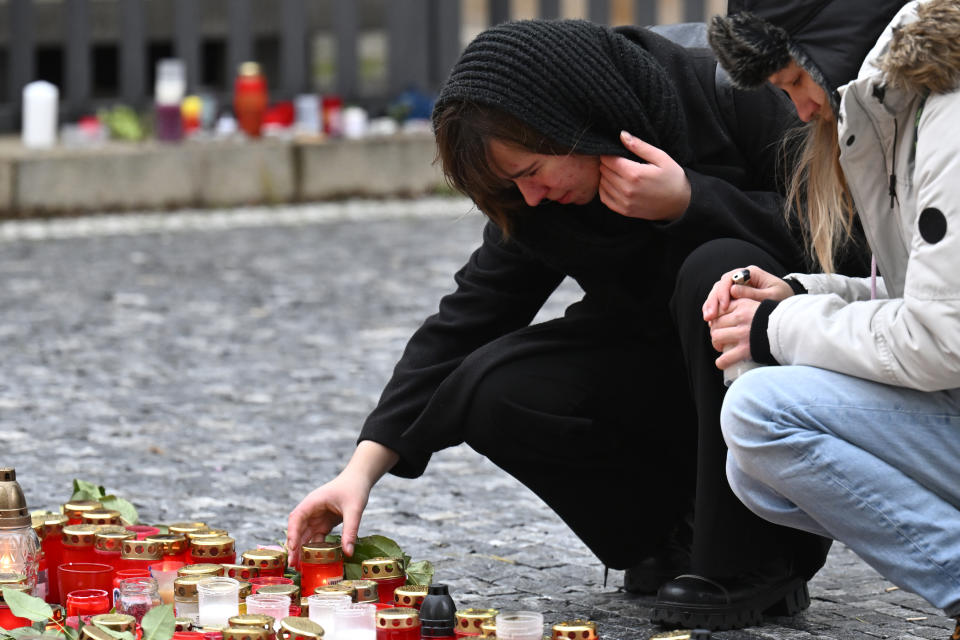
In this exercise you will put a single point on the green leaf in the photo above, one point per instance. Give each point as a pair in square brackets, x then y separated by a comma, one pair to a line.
[127, 511]
[120, 635]
[83, 490]
[16, 634]
[420, 572]
[376, 547]
[71, 633]
[26, 606]
[158, 623]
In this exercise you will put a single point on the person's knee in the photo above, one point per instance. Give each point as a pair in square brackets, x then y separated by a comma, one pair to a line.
[487, 418]
[747, 418]
[705, 265]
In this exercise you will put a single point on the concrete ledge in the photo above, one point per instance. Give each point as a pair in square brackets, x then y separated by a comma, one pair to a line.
[211, 174]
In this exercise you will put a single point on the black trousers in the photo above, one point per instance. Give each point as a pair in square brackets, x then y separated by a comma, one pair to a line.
[619, 432]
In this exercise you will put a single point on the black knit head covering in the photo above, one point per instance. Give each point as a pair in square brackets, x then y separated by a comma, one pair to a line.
[576, 83]
[828, 38]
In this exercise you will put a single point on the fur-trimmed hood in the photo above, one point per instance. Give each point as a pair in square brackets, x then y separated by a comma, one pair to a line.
[923, 53]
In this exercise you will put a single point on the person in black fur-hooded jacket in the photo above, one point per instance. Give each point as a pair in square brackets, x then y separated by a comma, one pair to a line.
[603, 412]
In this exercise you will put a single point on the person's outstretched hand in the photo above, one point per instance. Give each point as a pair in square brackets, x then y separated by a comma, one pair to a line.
[658, 190]
[340, 500]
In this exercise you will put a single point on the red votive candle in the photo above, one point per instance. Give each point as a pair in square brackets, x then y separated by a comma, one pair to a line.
[388, 573]
[139, 554]
[410, 595]
[320, 563]
[215, 550]
[143, 531]
[9, 621]
[75, 509]
[53, 549]
[398, 623]
[87, 602]
[78, 543]
[107, 545]
[175, 546]
[270, 562]
[468, 621]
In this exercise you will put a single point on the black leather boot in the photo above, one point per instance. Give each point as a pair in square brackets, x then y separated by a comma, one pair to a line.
[671, 559]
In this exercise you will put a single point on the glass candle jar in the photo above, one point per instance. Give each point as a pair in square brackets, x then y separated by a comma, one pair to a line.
[53, 549]
[165, 573]
[410, 595]
[121, 575]
[269, 562]
[469, 621]
[579, 629]
[292, 591]
[275, 605]
[87, 602]
[217, 549]
[321, 607]
[74, 509]
[519, 625]
[320, 562]
[218, 600]
[185, 598]
[265, 581]
[388, 573]
[137, 596]
[139, 554]
[398, 623]
[78, 543]
[356, 622]
[175, 547]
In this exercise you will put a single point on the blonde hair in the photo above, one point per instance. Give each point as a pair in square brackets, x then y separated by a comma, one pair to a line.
[818, 189]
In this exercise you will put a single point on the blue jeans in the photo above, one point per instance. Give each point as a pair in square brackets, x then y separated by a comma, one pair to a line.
[874, 466]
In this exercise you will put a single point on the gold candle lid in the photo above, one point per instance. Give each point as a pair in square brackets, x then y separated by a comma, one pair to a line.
[293, 627]
[398, 618]
[15, 586]
[206, 533]
[410, 595]
[243, 589]
[240, 571]
[365, 590]
[133, 549]
[339, 587]
[185, 587]
[488, 629]
[7, 579]
[36, 521]
[93, 632]
[320, 552]
[379, 568]
[575, 630]
[676, 634]
[53, 524]
[291, 590]
[115, 621]
[173, 543]
[183, 528]
[201, 569]
[264, 559]
[247, 633]
[79, 535]
[111, 541]
[218, 547]
[101, 516]
[74, 509]
[248, 69]
[304, 607]
[472, 619]
[253, 621]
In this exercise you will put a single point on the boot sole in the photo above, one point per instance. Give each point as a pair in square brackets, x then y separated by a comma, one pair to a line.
[792, 598]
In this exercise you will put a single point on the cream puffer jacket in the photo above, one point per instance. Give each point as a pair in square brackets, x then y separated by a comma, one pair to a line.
[899, 136]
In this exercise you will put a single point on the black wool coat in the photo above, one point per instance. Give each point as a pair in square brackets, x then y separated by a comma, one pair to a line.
[625, 266]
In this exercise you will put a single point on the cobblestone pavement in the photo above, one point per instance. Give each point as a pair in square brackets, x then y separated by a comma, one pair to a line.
[217, 366]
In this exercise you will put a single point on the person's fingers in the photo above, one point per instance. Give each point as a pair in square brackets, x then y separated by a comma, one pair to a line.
[645, 150]
[740, 291]
[611, 199]
[351, 527]
[711, 304]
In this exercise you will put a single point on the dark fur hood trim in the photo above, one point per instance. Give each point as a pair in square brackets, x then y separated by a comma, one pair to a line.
[749, 48]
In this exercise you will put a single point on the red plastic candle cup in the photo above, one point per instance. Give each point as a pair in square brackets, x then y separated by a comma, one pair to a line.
[250, 98]
[187, 635]
[53, 550]
[139, 554]
[74, 576]
[175, 546]
[263, 581]
[78, 542]
[388, 573]
[87, 602]
[398, 623]
[9, 621]
[269, 562]
[142, 531]
[320, 562]
[215, 550]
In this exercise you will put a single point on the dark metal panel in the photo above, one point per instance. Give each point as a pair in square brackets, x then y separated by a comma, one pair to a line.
[599, 11]
[446, 44]
[694, 10]
[133, 58]
[78, 57]
[498, 11]
[549, 9]
[407, 58]
[345, 21]
[186, 43]
[293, 52]
[21, 39]
[645, 12]
[239, 43]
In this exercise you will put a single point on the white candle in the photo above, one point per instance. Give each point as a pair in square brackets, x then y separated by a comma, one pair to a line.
[217, 613]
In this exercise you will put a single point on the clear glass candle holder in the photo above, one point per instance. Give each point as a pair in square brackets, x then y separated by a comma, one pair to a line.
[321, 609]
[520, 625]
[356, 622]
[275, 605]
[218, 601]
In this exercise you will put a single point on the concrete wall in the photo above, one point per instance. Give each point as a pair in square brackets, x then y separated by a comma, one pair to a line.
[153, 176]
